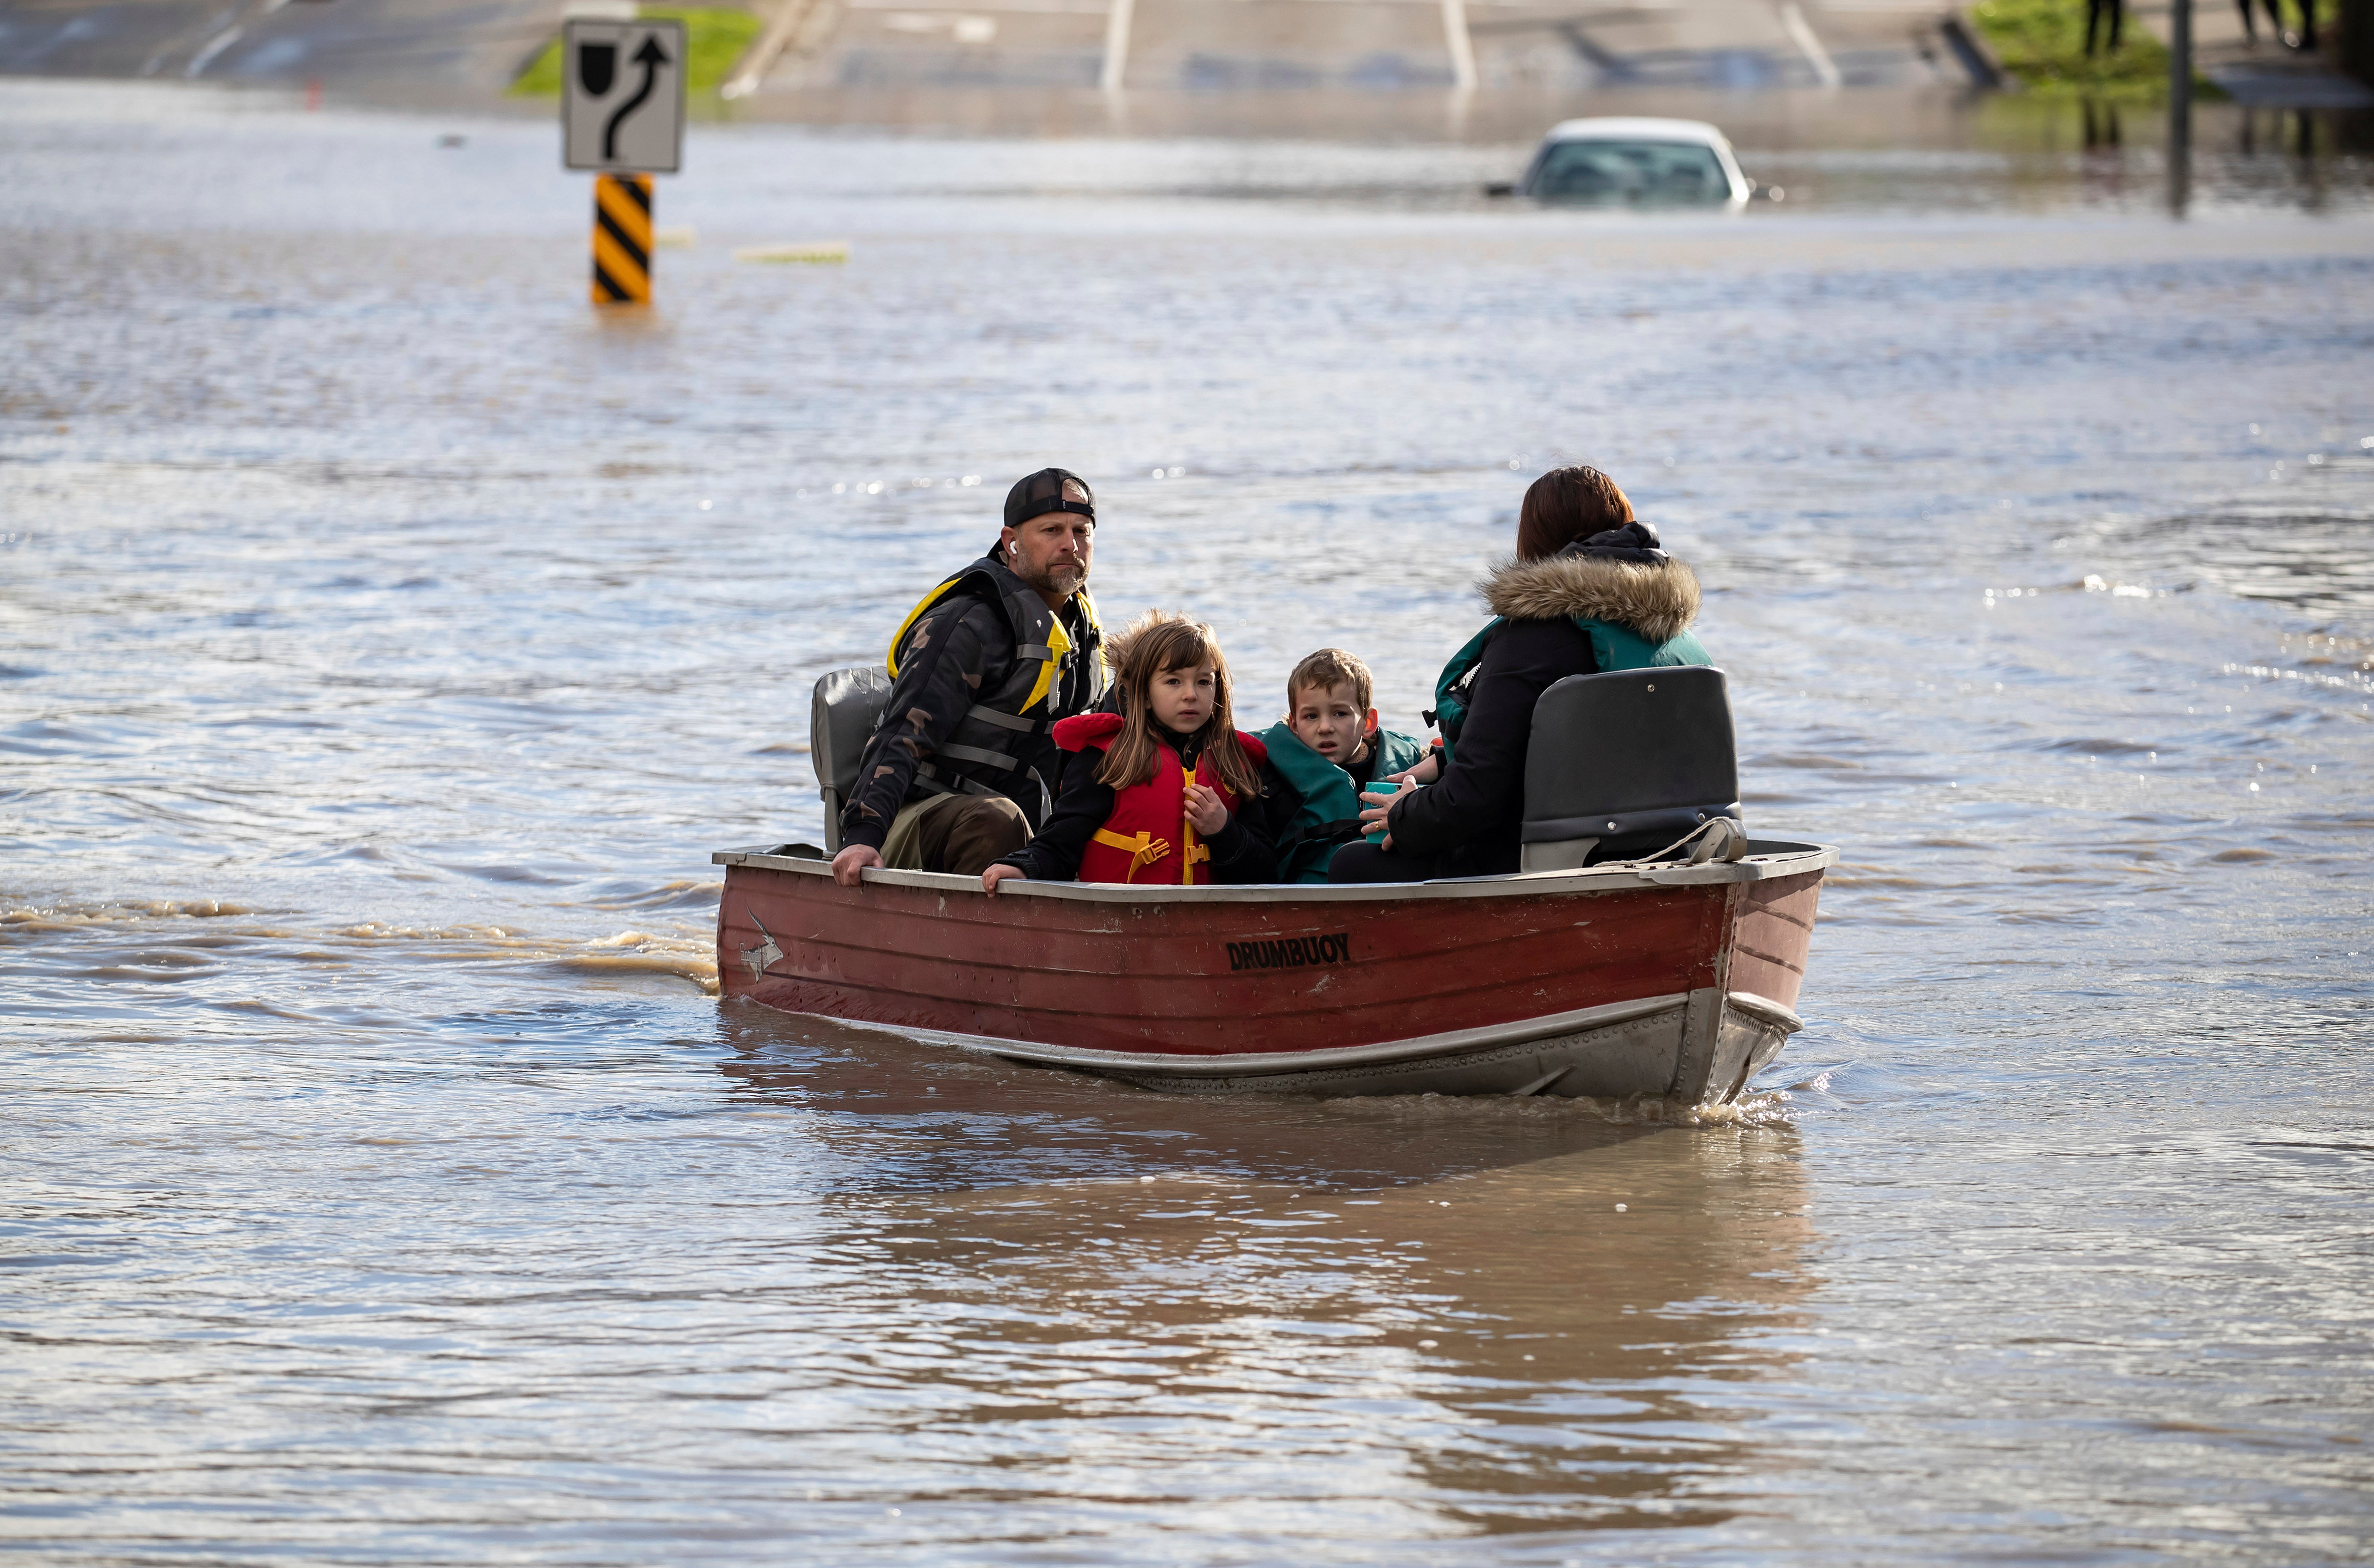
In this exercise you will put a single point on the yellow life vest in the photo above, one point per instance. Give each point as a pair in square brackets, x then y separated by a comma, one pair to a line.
[1049, 653]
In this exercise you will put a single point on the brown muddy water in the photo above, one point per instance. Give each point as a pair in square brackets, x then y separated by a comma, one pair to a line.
[387, 640]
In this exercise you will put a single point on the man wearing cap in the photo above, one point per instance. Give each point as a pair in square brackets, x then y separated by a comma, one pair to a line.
[961, 769]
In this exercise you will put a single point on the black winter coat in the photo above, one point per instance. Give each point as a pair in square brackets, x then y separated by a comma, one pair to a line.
[1469, 820]
[1478, 805]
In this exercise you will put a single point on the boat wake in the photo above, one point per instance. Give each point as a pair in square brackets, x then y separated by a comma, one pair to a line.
[186, 939]
[1765, 1108]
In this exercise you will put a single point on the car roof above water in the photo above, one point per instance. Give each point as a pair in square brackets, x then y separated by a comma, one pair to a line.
[1637, 129]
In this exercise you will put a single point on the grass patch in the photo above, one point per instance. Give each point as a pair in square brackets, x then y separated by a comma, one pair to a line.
[714, 36]
[2042, 42]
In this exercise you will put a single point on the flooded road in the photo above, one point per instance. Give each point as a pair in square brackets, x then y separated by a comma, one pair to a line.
[386, 640]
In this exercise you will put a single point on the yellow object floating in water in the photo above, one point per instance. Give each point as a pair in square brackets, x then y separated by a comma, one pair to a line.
[684, 237]
[814, 250]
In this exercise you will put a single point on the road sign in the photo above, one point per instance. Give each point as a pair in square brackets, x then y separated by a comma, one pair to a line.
[622, 96]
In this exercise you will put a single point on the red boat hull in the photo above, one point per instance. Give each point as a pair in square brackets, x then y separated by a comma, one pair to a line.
[1265, 987]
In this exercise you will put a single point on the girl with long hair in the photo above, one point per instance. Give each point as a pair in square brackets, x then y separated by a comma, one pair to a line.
[1156, 792]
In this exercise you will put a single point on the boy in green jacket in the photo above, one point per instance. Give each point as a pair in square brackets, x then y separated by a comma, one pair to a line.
[1327, 749]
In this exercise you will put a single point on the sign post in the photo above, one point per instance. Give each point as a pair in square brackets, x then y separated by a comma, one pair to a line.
[622, 116]
[2179, 105]
[622, 240]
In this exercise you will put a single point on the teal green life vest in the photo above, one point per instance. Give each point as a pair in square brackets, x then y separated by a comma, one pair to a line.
[1612, 648]
[1329, 799]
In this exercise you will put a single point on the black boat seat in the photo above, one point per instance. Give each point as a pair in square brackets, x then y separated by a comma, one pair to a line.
[847, 705]
[1624, 763]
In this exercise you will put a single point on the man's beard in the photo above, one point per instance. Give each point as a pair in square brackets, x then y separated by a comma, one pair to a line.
[1062, 578]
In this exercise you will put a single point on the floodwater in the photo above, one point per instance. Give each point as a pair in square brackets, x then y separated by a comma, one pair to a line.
[386, 639]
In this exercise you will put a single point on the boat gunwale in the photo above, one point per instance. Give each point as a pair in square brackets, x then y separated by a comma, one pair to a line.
[1766, 859]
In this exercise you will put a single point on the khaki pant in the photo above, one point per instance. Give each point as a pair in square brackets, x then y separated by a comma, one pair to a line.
[964, 834]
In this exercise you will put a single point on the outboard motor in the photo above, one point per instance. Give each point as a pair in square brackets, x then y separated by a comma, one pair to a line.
[849, 704]
[1625, 763]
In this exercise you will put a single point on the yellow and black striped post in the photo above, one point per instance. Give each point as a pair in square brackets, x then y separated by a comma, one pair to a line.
[622, 240]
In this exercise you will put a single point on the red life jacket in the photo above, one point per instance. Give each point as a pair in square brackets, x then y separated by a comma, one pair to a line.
[1148, 834]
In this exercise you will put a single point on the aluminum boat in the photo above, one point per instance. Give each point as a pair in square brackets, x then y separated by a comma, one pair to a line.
[1668, 981]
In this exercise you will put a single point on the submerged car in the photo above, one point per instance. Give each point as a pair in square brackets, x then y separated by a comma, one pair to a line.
[1648, 162]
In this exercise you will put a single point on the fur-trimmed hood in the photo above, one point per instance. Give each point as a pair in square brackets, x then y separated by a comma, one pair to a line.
[1655, 602]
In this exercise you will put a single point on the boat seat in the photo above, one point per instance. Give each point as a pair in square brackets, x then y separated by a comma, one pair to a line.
[1623, 763]
[847, 705]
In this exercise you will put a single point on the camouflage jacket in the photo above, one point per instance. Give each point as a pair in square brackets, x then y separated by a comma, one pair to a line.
[973, 700]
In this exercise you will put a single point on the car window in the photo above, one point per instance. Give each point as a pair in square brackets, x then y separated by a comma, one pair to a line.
[1669, 172]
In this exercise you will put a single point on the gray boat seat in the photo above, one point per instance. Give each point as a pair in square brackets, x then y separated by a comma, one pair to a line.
[848, 706]
[1623, 763]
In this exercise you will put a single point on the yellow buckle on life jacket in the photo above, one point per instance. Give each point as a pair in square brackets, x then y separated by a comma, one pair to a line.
[1144, 849]
[1192, 851]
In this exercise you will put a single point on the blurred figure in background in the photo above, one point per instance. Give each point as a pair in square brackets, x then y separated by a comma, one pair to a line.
[2094, 11]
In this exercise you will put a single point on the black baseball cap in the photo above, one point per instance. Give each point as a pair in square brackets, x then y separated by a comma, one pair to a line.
[1042, 492]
